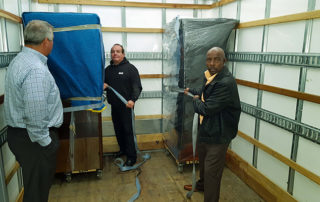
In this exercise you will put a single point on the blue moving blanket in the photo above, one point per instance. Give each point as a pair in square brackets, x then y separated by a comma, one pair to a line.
[77, 59]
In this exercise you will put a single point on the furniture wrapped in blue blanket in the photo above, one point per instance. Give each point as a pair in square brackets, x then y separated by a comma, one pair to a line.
[77, 58]
[77, 63]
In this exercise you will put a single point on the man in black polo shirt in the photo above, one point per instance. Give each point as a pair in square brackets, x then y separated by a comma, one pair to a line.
[124, 78]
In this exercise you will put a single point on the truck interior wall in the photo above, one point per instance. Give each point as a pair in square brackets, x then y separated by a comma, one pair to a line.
[229, 11]
[10, 41]
[283, 38]
[7, 159]
[242, 147]
[278, 140]
[12, 36]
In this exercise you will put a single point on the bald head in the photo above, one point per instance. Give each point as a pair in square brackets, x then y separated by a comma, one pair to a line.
[218, 50]
[215, 60]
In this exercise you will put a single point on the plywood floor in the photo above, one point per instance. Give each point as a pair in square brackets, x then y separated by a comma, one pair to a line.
[160, 182]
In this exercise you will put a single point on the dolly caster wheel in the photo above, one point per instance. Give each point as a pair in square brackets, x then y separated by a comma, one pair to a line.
[68, 177]
[180, 168]
[99, 174]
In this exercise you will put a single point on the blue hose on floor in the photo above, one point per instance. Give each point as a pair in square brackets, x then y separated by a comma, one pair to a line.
[119, 161]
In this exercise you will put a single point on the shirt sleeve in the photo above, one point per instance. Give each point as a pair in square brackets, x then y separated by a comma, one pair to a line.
[35, 92]
[197, 91]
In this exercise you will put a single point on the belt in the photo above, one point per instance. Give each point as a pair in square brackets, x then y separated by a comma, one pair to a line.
[50, 128]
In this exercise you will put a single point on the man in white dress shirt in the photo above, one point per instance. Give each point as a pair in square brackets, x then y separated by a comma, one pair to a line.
[33, 111]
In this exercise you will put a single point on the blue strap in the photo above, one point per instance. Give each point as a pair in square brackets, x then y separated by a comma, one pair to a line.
[119, 162]
[72, 134]
[118, 95]
[82, 107]
[194, 143]
[136, 196]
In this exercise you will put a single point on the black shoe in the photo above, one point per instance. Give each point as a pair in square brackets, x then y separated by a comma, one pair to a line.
[119, 154]
[130, 162]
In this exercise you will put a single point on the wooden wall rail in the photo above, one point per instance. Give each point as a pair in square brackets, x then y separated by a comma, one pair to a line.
[144, 141]
[276, 20]
[281, 158]
[282, 19]
[153, 76]
[20, 196]
[132, 30]
[281, 91]
[12, 172]
[10, 16]
[267, 189]
[138, 4]
[138, 117]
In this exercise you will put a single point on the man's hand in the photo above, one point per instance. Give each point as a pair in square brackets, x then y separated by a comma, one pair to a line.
[186, 91]
[130, 104]
[196, 97]
[105, 86]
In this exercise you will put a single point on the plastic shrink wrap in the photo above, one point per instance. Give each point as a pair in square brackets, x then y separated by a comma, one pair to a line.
[185, 44]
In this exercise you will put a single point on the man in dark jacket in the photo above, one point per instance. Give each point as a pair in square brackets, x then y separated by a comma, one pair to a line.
[125, 79]
[218, 106]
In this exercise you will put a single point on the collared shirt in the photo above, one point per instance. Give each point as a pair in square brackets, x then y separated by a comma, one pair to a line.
[209, 78]
[32, 98]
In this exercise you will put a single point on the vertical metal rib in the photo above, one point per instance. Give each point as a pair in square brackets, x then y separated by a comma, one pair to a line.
[299, 107]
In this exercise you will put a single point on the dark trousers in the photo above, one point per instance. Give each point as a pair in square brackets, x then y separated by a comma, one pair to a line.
[38, 163]
[122, 123]
[211, 162]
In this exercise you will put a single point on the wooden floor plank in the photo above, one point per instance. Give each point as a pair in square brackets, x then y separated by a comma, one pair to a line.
[159, 178]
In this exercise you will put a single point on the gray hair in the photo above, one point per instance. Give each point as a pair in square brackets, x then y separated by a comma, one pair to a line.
[36, 31]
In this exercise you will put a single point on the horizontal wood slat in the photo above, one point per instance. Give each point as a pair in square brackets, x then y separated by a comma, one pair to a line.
[281, 158]
[268, 190]
[222, 3]
[133, 30]
[20, 196]
[139, 117]
[10, 16]
[281, 91]
[12, 172]
[269, 21]
[127, 4]
[153, 76]
[145, 142]
[281, 19]
[139, 4]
